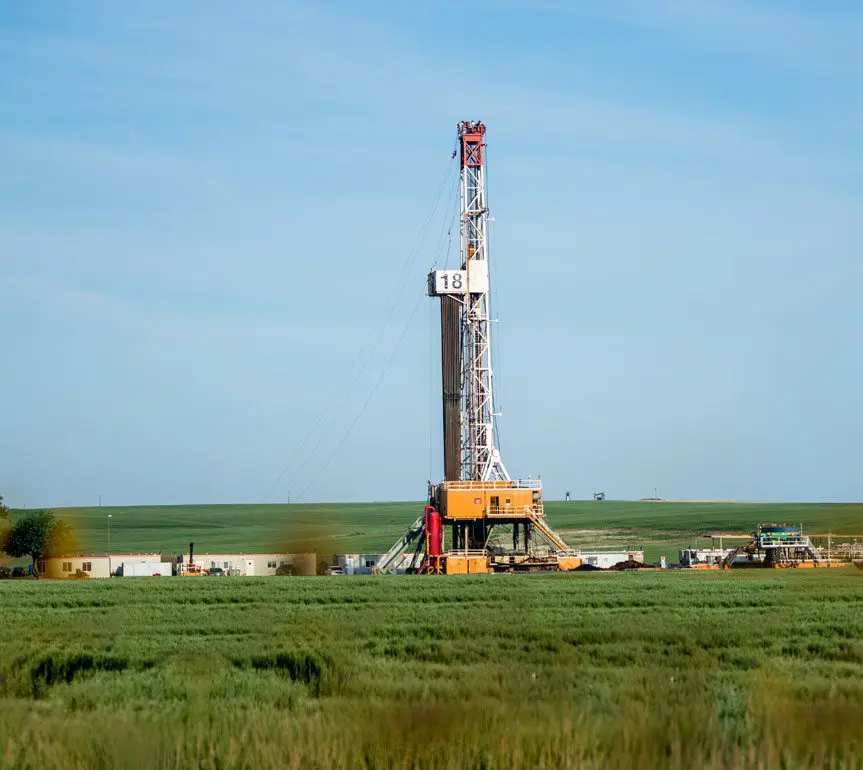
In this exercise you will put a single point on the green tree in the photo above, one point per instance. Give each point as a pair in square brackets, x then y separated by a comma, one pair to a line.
[5, 524]
[38, 534]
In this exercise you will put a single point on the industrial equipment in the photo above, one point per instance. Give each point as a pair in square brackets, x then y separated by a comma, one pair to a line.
[775, 545]
[478, 519]
[189, 569]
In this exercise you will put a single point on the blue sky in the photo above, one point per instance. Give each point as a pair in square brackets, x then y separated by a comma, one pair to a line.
[212, 245]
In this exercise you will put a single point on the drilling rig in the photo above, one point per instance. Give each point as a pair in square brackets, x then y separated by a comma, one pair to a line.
[493, 523]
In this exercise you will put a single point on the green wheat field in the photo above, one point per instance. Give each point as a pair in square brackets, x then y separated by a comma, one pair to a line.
[658, 528]
[600, 670]
[668, 669]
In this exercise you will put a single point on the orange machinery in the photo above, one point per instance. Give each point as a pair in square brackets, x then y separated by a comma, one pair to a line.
[493, 526]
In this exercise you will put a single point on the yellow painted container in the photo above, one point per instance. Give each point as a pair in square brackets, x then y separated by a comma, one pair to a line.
[467, 565]
[567, 563]
[488, 501]
[818, 565]
[509, 502]
[463, 503]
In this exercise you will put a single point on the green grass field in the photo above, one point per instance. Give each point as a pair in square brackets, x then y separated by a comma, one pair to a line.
[660, 528]
[611, 670]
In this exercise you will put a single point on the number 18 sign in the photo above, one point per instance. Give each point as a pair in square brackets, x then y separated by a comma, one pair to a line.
[456, 281]
[450, 281]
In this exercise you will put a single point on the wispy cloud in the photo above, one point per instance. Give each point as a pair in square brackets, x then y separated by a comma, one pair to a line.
[805, 37]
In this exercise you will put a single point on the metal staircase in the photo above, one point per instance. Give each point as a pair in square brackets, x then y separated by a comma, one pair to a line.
[555, 540]
[413, 537]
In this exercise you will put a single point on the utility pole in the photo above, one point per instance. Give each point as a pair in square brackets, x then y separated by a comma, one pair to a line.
[109, 544]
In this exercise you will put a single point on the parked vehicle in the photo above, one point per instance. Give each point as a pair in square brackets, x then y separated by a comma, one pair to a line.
[216, 572]
[335, 570]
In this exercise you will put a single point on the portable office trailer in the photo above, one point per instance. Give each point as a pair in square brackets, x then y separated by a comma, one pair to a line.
[250, 564]
[144, 569]
[357, 563]
[606, 559]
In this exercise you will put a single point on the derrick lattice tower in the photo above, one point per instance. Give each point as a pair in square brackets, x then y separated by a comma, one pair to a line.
[480, 458]
[478, 519]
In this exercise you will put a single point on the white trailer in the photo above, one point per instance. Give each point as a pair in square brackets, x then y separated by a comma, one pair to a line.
[607, 559]
[145, 568]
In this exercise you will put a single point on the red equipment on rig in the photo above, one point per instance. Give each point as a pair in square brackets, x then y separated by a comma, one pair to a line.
[434, 542]
[433, 528]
